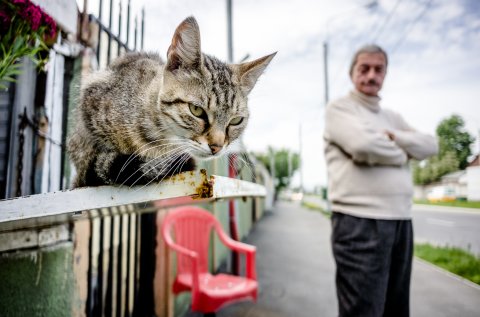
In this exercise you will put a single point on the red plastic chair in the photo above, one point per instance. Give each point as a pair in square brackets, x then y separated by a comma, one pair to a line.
[192, 227]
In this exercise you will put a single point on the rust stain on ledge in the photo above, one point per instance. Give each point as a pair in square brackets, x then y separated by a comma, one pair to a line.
[205, 189]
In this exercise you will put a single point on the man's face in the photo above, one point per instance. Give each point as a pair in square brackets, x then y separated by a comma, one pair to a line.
[369, 72]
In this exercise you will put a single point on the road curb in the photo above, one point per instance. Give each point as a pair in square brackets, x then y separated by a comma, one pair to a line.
[448, 273]
[473, 211]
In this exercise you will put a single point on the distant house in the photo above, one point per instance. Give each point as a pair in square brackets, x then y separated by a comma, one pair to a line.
[473, 179]
[464, 184]
[475, 161]
[456, 182]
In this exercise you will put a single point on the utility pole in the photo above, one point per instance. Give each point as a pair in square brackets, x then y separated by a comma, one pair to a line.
[289, 164]
[300, 160]
[229, 31]
[478, 139]
[232, 215]
[325, 68]
[272, 163]
[370, 5]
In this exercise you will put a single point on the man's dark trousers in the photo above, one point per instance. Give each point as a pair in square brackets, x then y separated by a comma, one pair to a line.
[374, 264]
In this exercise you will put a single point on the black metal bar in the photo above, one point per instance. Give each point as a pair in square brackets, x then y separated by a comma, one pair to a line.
[98, 303]
[90, 292]
[135, 262]
[119, 25]
[127, 289]
[105, 29]
[109, 47]
[144, 304]
[143, 28]
[135, 35]
[99, 29]
[119, 267]
[109, 293]
[128, 23]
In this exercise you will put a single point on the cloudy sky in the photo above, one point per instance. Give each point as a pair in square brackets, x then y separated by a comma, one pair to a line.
[433, 46]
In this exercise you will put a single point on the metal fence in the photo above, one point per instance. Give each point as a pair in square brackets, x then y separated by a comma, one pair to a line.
[110, 43]
[121, 259]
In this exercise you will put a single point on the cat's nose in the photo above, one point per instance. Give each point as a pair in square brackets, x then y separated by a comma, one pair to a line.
[215, 148]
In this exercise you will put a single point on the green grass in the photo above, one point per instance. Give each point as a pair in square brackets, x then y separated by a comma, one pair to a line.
[316, 207]
[451, 259]
[456, 203]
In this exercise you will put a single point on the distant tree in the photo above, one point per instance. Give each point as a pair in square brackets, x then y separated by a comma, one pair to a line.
[454, 150]
[434, 168]
[281, 165]
[453, 138]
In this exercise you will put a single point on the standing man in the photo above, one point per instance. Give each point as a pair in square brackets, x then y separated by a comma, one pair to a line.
[367, 149]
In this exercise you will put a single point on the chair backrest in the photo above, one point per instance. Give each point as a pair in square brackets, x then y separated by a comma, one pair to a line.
[190, 227]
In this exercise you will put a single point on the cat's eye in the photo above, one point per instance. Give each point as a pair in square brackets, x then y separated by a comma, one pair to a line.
[236, 121]
[196, 111]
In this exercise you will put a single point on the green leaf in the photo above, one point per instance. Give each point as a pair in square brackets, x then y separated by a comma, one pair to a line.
[19, 42]
[10, 79]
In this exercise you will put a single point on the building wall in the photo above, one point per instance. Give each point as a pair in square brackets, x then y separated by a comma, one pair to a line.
[37, 282]
[473, 180]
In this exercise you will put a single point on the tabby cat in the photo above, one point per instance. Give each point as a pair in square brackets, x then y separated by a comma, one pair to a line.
[141, 119]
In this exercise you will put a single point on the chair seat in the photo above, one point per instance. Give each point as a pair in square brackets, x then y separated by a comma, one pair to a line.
[218, 290]
[219, 285]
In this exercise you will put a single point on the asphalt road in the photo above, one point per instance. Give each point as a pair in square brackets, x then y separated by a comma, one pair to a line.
[447, 227]
[441, 226]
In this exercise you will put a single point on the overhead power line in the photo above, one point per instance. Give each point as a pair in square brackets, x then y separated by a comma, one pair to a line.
[387, 19]
[411, 26]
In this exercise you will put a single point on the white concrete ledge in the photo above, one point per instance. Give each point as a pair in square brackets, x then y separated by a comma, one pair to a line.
[64, 205]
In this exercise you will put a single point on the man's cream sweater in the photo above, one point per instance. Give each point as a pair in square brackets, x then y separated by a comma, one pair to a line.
[368, 174]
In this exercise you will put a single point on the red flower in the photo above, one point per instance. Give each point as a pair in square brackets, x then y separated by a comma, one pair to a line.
[33, 14]
[51, 25]
[4, 22]
[20, 2]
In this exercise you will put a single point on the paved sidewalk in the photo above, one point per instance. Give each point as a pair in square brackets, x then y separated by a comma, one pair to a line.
[294, 265]
[296, 273]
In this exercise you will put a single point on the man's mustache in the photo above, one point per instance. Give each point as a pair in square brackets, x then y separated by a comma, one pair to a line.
[372, 82]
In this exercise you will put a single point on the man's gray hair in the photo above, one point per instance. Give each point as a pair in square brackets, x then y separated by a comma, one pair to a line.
[369, 48]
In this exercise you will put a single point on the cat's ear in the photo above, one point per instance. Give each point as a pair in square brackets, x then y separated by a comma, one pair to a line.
[250, 71]
[184, 52]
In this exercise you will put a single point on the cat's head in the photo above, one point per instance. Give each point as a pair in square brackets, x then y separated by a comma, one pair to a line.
[204, 100]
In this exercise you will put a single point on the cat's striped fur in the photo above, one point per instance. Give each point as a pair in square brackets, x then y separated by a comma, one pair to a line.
[141, 119]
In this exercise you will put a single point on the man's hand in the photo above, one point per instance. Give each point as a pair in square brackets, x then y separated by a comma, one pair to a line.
[390, 135]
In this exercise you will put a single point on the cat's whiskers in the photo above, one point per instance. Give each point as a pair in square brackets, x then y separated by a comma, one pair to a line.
[146, 164]
[180, 160]
[246, 164]
[132, 156]
[181, 156]
[167, 165]
[198, 147]
[234, 163]
[175, 154]
[172, 155]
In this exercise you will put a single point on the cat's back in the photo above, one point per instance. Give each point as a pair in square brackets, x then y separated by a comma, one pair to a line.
[127, 75]
[135, 64]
